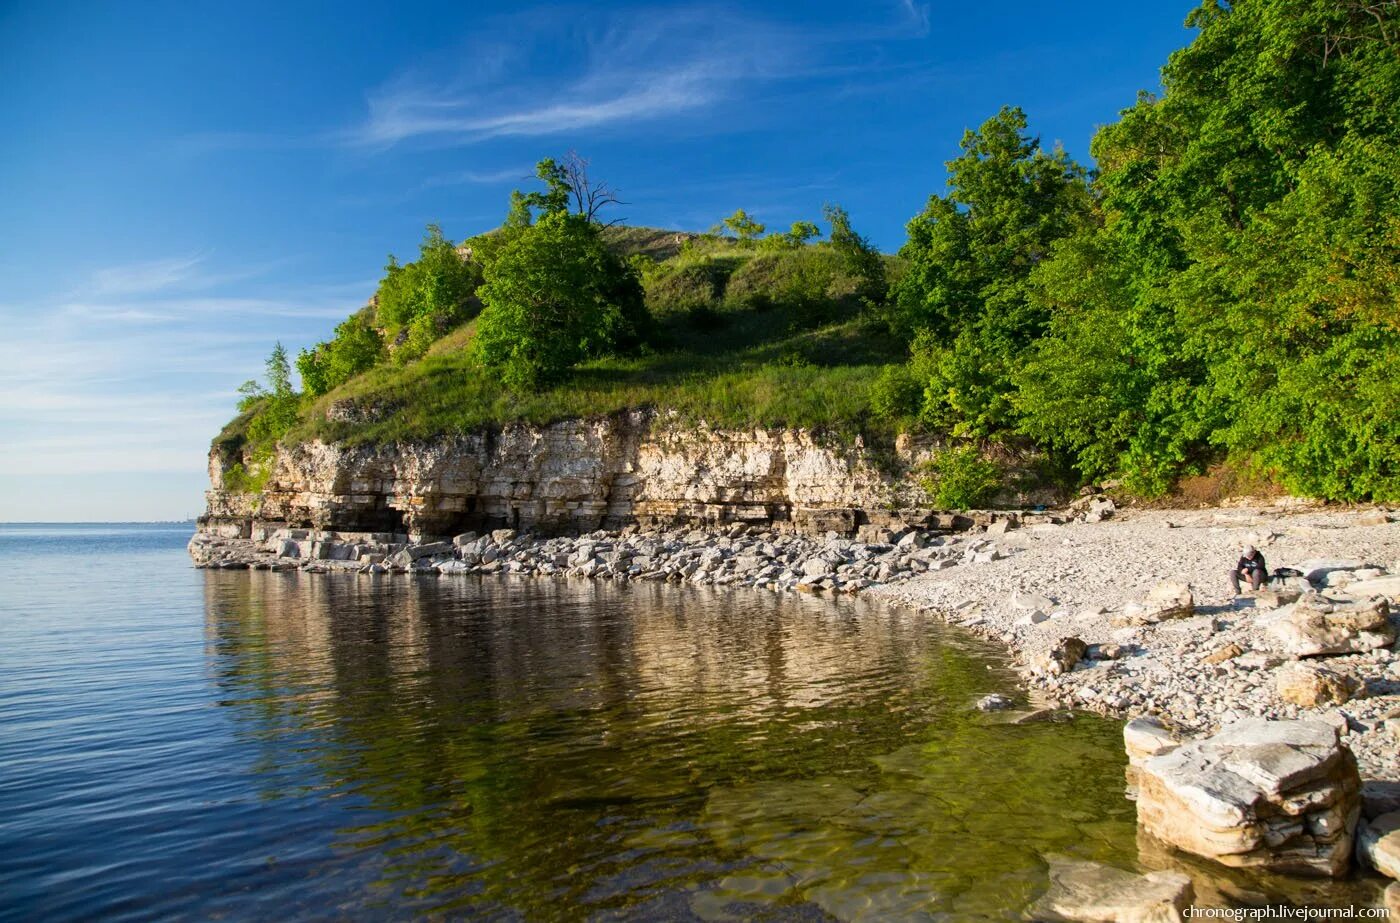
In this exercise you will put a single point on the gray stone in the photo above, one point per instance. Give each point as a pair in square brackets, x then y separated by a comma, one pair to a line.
[1378, 843]
[1273, 597]
[428, 549]
[1379, 797]
[1316, 569]
[911, 540]
[1030, 601]
[1144, 738]
[1277, 795]
[1388, 587]
[1171, 599]
[1315, 625]
[994, 702]
[1061, 658]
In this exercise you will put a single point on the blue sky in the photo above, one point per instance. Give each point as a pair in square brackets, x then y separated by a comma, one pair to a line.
[186, 183]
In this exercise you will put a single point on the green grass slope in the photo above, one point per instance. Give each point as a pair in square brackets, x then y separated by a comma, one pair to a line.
[745, 336]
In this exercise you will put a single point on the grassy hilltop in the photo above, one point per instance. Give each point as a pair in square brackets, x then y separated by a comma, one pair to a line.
[740, 337]
[1219, 295]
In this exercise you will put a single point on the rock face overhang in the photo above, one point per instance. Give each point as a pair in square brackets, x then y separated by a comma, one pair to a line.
[576, 476]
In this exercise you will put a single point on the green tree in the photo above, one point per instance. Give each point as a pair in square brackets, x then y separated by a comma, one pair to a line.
[741, 227]
[274, 407]
[796, 236]
[966, 298]
[420, 301]
[857, 254]
[568, 190]
[519, 214]
[355, 348]
[556, 295]
[970, 252]
[1238, 298]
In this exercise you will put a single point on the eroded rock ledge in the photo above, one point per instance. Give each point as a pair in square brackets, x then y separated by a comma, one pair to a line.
[639, 468]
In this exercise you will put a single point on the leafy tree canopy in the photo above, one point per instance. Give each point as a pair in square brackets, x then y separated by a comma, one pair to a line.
[556, 294]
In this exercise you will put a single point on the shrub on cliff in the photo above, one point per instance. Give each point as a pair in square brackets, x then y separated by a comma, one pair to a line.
[555, 295]
[960, 478]
[272, 410]
[422, 300]
[355, 348]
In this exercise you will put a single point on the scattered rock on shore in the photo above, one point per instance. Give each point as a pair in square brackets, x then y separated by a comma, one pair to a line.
[1378, 842]
[1309, 686]
[1317, 625]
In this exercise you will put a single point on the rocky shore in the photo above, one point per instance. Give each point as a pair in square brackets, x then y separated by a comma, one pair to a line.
[1145, 596]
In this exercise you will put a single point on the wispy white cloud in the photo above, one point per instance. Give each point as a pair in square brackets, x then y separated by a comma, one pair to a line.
[631, 69]
[479, 177]
[137, 370]
[916, 16]
[147, 276]
[569, 68]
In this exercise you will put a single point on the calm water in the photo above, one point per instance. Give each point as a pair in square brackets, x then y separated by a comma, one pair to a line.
[185, 744]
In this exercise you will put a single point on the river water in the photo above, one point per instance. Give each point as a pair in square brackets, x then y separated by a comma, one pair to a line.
[186, 744]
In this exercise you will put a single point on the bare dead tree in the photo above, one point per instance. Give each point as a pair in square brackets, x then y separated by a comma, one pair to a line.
[588, 197]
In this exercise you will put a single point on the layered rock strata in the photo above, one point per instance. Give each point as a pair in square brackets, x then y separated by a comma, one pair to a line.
[1277, 795]
[574, 477]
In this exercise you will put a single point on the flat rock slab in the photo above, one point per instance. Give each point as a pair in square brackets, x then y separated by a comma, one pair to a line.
[1279, 795]
[1088, 891]
[1388, 587]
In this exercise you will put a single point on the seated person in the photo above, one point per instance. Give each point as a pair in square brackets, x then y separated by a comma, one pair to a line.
[1251, 567]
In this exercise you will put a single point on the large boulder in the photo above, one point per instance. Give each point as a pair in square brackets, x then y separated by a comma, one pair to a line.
[1282, 796]
[1316, 625]
[1388, 586]
[1144, 738]
[1317, 569]
[1089, 891]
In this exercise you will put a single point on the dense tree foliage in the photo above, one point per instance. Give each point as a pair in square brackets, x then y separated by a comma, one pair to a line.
[420, 301]
[555, 294]
[1225, 289]
[965, 298]
[267, 412]
[355, 348]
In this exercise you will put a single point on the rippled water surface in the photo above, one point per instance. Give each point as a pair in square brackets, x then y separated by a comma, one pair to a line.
[178, 743]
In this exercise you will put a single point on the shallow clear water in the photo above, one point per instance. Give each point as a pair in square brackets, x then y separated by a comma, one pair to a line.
[189, 744]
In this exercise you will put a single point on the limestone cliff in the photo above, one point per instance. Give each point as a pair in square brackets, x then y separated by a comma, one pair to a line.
[576, 476]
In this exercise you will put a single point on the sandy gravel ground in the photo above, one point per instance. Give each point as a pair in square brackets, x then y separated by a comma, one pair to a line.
[1085, 573]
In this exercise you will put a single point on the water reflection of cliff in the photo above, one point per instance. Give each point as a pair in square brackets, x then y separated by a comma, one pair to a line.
[557, 749]
[507, 730]
[528, 646]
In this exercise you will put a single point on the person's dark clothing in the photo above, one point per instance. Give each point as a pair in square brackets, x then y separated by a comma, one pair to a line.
[1252, 569]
